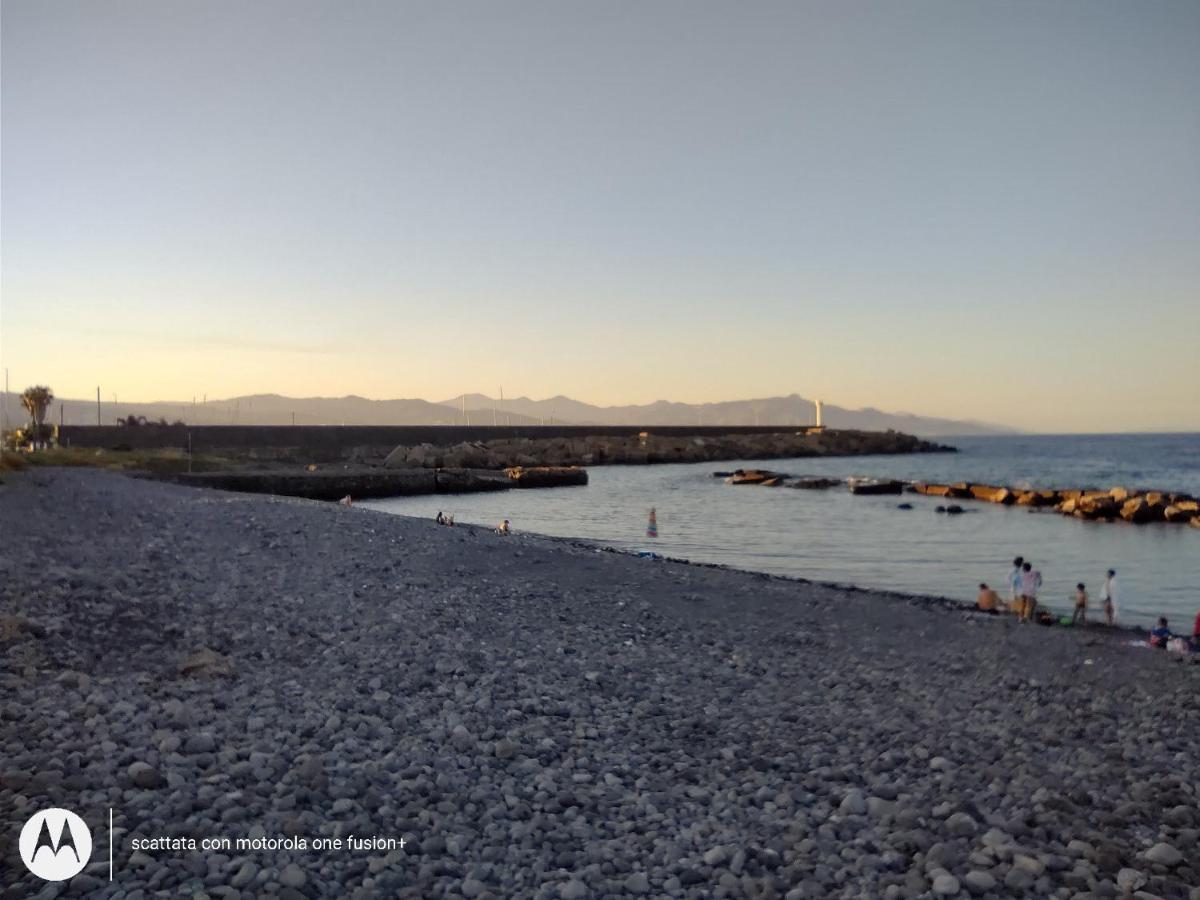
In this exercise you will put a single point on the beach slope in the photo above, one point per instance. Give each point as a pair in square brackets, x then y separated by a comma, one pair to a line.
[539, 718]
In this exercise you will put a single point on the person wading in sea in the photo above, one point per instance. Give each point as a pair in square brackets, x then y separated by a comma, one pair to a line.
[1031, 580]
[1109, 596]
[1081, 601]
[1014, 584]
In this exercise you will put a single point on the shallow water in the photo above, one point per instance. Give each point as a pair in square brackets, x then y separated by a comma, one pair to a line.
[835, 536]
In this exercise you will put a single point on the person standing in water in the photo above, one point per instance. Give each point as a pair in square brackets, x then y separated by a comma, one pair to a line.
[1014, 582]
[1081, 602]
[1031, 580]
[652, 525]
[1109, 596]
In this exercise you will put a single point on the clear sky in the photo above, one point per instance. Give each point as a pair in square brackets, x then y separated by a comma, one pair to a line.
[969, 209]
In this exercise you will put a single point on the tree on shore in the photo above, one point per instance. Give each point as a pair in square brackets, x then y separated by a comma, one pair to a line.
[36, 401]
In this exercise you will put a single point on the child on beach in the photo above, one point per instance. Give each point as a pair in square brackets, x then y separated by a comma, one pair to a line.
[1160, 634]
[1081, 602]
[1109, 595]
[504, 528]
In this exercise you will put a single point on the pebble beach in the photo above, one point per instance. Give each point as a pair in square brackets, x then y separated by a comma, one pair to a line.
[537, 717]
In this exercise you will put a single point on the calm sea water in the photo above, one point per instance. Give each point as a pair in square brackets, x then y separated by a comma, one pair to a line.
[835, 536]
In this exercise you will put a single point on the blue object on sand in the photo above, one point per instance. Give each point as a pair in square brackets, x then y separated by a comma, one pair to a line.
[648, 554]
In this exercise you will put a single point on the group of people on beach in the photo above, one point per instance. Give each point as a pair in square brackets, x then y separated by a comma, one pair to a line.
[505, 527]
[1024, 585]
[1025, 582]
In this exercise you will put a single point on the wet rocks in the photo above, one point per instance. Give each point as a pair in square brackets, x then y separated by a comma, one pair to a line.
[815, 484]
[546, 476]
[873, 487]
[1137, 507]
[752, 476]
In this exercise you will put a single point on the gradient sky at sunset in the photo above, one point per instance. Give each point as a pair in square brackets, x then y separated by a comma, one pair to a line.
[965, 209]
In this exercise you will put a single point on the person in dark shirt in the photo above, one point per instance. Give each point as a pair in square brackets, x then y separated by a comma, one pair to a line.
[1160, 634]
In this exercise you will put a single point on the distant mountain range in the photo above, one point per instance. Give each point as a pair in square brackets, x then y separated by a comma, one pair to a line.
[790, 410]
[274, 409]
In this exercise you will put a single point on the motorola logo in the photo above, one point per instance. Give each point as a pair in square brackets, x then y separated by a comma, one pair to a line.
[55, 844]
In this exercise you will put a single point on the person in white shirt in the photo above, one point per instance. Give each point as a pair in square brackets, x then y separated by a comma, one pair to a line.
[1014, 582]
[1109, 596]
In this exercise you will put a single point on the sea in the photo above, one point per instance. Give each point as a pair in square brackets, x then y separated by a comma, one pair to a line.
[834, 536]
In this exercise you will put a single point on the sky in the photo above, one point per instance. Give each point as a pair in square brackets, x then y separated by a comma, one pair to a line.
[985, 210]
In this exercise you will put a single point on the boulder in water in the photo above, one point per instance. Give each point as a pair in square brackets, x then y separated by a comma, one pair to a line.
[992, 494]
[1140, 510]
[876, 487]
[815, 484]
[750, 476]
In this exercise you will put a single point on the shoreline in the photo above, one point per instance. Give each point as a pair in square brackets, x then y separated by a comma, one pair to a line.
[541, 718]
[925, 600]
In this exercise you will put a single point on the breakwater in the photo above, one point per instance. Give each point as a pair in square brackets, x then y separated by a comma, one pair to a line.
[1115, 504]
[362, 482]
[493, 447]
[654, 447]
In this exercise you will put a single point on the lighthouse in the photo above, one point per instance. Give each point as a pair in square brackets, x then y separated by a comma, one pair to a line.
[819, 425]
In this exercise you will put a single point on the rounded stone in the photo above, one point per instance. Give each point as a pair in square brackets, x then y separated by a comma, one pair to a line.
[144, 775]
[293, 876]
[979, 881]
[945, 885]
[1164, 855]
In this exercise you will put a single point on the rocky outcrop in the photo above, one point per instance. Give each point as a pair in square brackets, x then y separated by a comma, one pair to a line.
[815, 484]
[872, 487]
[752, 476]
[547, 476]
[991, 493]
[1118, 503]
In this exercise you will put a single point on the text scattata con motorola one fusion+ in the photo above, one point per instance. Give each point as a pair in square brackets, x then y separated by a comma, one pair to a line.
[351, 843]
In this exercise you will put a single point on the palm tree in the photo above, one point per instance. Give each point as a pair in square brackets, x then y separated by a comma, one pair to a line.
[36, 401]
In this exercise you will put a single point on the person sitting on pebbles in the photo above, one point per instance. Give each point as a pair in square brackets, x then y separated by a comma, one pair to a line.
[504, 528]
[439, 518]
[1160, 635]
[988, 600]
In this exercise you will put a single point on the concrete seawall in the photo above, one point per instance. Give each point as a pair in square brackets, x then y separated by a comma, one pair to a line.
[329, 442]
[366, 482]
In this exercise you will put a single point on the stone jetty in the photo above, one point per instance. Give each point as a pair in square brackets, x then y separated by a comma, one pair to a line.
[649, 448]
[1115, 504]
[362, 482]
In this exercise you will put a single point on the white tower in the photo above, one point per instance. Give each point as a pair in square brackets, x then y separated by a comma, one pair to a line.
[818, 413]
